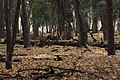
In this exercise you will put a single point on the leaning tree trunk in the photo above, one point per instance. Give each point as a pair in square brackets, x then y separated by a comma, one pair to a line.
[80, 23]
[2, 31]
[25, 26]
[111, 46]
[8, 34]
[15, 24]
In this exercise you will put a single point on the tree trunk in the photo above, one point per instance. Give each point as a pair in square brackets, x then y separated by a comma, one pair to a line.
[47, 28]
[15, 24]
[61, 15]
[95, 20]
[119, 12]
[50, 28]
[25, 26]
[35, 29]
[111, 46]
[80, 23]
[2, 31]
[8, 34]
[94, 25]
[42, 29]
[68, 30]
[104, 26]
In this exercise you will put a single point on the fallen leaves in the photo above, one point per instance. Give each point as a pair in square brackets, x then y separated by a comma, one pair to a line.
[95, 64]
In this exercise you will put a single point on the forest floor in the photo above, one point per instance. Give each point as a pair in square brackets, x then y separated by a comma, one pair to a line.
[77, 63]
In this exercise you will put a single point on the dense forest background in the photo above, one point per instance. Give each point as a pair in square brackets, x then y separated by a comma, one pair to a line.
[40, 23]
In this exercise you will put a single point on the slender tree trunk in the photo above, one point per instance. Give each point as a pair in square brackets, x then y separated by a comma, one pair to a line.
[52, 21]
[8, 34]
[11, 37]
[42, 29]
[15, 24]
[61, 14]
[29, 12]
[95, 20]
[80, 23]
[55, 29]
[119, 12]
[25, 25]
[94, 25]
[35, 29]
[104, 26]
[50, 29]
[111, 46]
[2, 31]
[52, 26]
[47, 28]
[69, 30]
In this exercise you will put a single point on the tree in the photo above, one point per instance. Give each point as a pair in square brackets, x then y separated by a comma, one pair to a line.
[80, 23]
[32, 11]
[111, 46]
[95, 16]
[35, 28]
[15, 24]
[2, 31]
[11, 31]
[61, 19]
[8, 34]
[24, 18]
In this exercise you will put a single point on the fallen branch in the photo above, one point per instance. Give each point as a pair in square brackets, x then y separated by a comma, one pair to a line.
[5, 76]
[60, 74]
[94, 40]
[21, 70]
[72, 70]
[49, 75]
[102, 45]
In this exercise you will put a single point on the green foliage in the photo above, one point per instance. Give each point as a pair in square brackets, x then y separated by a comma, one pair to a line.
[44, 12]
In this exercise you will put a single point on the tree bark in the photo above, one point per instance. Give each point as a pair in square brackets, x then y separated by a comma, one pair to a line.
[8, 34]
[80, 23]
[95, 20]
[25, 26]
[111, 46]
[104, 26]
[35, 29]
[94, 25]
[61, 21]
[2, 31]
[68, 30]
[15, 24]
